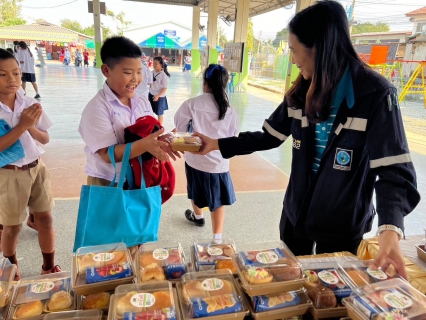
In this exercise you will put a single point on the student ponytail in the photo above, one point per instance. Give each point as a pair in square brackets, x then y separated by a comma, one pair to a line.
[163, 65]
[216, 78]
[24, 46]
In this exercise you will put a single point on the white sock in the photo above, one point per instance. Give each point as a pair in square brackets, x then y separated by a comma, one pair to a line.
[217, 236]
[198, 217]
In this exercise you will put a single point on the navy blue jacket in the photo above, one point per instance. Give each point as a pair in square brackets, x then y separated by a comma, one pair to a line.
[367, 150]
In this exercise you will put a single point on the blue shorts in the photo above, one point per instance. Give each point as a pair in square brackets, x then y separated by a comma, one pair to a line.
[211, 190]
[158, 107]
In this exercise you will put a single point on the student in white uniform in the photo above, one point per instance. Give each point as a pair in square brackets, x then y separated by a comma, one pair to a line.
[26, 59]
[143, 88]
[24, 182]
[209, 183]
[157, 92]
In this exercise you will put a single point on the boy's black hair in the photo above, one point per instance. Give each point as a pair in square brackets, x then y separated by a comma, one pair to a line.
[10, 50]
[116, 48]
[6, 55]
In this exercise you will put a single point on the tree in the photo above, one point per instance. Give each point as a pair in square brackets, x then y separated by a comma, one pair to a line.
[10, 13]
[90, 31]
[252, 42]
[118, 18]
[222, 40]
[72, 25]
[40, 20]
[281, 36]
[370, 27]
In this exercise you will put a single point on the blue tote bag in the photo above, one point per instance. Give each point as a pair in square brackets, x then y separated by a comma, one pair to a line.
[15, 152]
[111, 214]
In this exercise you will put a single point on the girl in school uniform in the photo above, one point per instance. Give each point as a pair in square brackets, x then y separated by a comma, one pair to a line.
[157, 92]
[27, 66]
[209, 183]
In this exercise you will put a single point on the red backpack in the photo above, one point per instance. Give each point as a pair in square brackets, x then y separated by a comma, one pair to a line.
[155, 172]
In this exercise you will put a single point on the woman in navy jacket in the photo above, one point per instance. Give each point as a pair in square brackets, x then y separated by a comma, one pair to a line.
[348, 141]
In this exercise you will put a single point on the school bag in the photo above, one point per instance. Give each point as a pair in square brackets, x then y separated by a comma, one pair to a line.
[155, 171]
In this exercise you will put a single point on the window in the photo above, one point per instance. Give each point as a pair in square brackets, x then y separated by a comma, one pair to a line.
[421, 27]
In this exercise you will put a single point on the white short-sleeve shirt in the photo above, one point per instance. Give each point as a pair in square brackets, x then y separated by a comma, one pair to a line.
[142, 88]
[204, 114]
[31, 148]
[28, 65]
[102, 125]
[161, 82]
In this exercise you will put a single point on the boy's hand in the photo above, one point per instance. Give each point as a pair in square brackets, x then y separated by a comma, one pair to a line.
[155, 147]
[172, 154]
[31, 115]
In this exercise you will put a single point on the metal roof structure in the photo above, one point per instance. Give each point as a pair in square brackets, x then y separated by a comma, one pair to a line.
[227, 7]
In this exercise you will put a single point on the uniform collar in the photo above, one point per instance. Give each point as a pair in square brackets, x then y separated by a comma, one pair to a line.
[344, 90]
[362, 84]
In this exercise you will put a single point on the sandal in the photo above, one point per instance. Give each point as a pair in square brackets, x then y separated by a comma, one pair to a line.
[55, 269]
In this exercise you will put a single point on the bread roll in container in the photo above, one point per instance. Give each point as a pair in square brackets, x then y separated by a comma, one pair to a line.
[159, 261]
[184, 141]
[212, 294]
[34, 297]
[76, 314]
[210, 255]
[151, 300]
[389, 299]
[268, 268]
[101, 268]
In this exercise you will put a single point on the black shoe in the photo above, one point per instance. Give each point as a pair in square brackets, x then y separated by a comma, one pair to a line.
[189, 214]
[37, 96]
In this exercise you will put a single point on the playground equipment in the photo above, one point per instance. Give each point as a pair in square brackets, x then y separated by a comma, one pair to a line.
[417, 83]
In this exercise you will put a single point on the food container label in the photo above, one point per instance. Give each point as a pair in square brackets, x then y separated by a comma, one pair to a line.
[398, 300]
[377, 274]
[103, 257]
[214, 251]
[42, 287]
[267, 257]
[212, 284]
[161, 254]
[216, 305]
[328, 277]
[142, 300]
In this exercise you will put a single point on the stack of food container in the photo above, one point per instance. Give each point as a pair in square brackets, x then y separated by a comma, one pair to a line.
[7, 273]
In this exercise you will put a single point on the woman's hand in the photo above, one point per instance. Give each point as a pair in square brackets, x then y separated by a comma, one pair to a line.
[390, 253]
[208, 145]
[168, 148]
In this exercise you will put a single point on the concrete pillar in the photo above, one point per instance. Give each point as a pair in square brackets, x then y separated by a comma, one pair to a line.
[98, 31]
[292, 70]
[240, 34]
[195, 51]
[212, 30]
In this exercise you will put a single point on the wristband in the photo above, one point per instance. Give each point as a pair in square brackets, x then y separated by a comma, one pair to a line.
[390, 227]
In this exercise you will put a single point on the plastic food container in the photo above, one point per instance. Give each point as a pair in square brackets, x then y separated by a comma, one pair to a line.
[212, 294]
[101, 268]
[208, 255]
[99, 301]
[77, 314]
[36, 296]
[7, 274]
[159, 261]
[268, 268]
[358, 273]
[182, 141]
[151, 300]
[326, 289]
[391, 299]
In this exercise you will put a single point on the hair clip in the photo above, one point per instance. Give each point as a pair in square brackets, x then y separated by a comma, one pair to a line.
[210, 71]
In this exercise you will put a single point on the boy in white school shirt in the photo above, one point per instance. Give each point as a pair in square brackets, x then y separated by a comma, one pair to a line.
[115, 107]
[24, 182]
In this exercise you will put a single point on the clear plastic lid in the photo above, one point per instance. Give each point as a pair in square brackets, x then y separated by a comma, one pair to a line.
[210, 293]
[161, 261]
[98, 256]
[183, 141]
[146, 300]
[75, 314]
[208, 251]
[358, 273]
[325, 287]
[266, 262]
[96, 301]
[7, 272]
[389, 299]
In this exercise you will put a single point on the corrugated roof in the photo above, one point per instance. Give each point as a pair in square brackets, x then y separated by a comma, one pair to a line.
[389, 33]
[41, 31]
[416, 12]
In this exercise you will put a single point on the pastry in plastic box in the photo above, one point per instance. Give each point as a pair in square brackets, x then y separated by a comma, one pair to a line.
[143, 301]
[76, 314]
[184, 142]
[391, 299]
[161, 261]
[325, 286]
[210, 293]
[275, 301]
[42, 294]
[359, 273]
[103, 263]
[210, 255]
[96, 301]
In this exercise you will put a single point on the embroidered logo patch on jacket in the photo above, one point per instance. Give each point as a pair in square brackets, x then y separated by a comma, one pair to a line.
[343, 159]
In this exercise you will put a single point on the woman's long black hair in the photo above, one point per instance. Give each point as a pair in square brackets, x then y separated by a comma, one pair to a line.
[216, 78]
[323, 27]
[24, 46]
[163, 65]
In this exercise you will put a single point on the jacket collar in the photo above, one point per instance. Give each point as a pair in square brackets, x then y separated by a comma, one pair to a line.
[361, 80]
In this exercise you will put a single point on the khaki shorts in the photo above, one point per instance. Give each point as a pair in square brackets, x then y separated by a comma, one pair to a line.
[22, 189]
